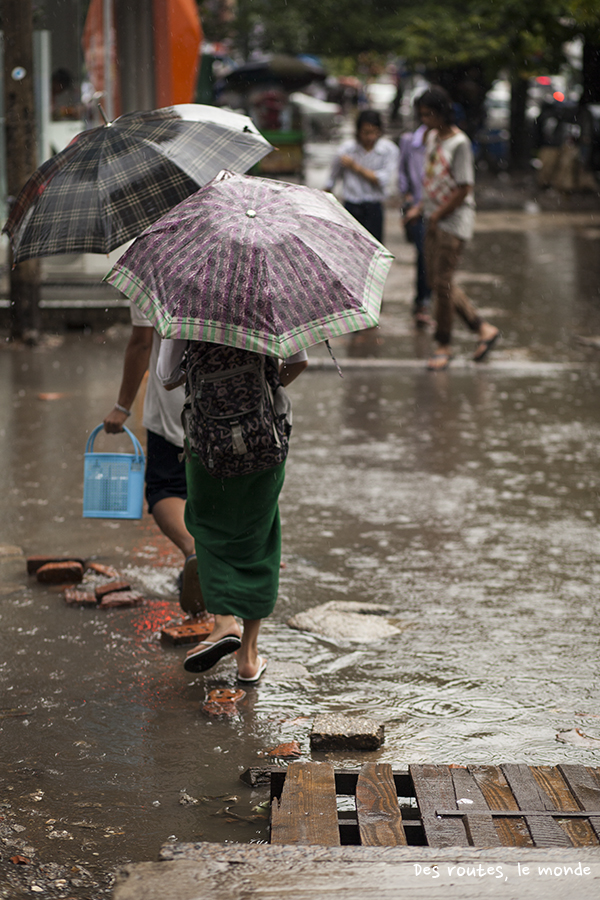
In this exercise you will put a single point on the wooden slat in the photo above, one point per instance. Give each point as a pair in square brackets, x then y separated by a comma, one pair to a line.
[554, 785]
[434, 789]
[528, 794]
[307, 810]
[580, 832]
[491, 781]
[480, 827]
[345, 780]
[525, 813]
[585, 788]
[234, 871]
[377, 810]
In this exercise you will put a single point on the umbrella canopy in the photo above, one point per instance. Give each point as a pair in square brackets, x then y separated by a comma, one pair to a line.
[291, 72]
[111, 182]
[256, 264]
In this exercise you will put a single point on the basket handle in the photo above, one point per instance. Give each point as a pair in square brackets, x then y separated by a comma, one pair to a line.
[136, 444]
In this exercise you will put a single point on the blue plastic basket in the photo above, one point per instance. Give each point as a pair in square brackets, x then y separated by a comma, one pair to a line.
[113, 483]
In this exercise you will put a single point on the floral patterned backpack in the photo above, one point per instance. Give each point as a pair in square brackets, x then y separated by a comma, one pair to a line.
[237, 415]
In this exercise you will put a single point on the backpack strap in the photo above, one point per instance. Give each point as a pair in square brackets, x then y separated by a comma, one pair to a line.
[237, 439]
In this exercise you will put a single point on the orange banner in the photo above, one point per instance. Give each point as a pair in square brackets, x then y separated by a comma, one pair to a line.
[93, 50]
[177, 40]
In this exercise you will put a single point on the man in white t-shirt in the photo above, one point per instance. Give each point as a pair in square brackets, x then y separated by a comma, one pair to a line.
[166, 490]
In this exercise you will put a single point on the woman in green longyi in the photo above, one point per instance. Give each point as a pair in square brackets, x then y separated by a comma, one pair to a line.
[236, 527]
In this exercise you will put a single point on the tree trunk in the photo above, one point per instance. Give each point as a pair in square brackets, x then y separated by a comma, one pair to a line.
[519, 139]
[242, 35]
[591, 73]
[20, 154]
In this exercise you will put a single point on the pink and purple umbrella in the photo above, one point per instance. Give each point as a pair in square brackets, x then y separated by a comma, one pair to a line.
[258, 264]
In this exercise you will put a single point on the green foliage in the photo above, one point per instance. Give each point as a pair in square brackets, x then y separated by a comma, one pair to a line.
[327, 27]
[525, 36]
[586, 17]
[585, 12]
[519, 35]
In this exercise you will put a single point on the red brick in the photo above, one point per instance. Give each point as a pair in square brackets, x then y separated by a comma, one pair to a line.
[113, 587]
[101, 569]
[187, 632]
[51, 395]
[120, 599]
[60, 572]
[79, 598]
[226, 695]
[223, 702]
[36, 562]
[290, 750]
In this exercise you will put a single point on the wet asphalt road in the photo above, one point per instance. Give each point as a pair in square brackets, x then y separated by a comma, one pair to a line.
[466, 502]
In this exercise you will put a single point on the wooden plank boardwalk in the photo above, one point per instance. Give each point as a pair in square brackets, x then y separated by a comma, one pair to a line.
[457, 832]
[436, 806]
[206, 871]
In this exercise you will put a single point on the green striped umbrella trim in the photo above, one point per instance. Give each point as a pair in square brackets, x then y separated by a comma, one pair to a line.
[336, 324]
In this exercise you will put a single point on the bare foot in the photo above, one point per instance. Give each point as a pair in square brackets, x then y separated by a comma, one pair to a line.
[224, 625]
[422, 320]
[488, 335]
[248, 670]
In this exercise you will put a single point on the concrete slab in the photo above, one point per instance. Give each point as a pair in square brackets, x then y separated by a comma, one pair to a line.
[342, 620]
[335, 731]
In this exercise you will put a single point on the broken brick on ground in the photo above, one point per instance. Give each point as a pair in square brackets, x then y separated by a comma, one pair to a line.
[113, 587]
[102, 569]
[36, 562]
[120, 599]
[189, 632]
[290, 750]
[60, 572]
[75, 597]
[223, 702]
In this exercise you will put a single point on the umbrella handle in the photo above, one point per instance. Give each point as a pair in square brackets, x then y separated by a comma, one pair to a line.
[340, 373]
[103, 114]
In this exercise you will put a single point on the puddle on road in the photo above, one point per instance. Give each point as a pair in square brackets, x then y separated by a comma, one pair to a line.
[464, 502]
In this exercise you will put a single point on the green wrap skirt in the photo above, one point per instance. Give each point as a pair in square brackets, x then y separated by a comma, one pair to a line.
[235, 525]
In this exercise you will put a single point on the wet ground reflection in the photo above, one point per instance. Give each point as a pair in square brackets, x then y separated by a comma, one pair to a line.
[466, 502]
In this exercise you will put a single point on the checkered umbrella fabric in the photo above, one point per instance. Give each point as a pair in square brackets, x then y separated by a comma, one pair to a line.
[256, 264]
[111, 182]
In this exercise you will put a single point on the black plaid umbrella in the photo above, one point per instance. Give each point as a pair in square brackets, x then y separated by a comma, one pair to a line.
[111, 182]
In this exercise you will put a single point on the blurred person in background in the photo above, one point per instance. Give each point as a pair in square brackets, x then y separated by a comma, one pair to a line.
[367, 165]
[410, 185]
[449, 209]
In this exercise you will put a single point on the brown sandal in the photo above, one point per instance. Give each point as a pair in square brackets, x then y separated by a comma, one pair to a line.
[487, 346]
[444, 360]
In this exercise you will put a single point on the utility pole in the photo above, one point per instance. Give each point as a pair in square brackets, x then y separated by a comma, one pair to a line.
[17, 22]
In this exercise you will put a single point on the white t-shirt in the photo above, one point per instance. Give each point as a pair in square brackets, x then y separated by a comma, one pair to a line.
[162, 409]
[382, 160]
[449, 163]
